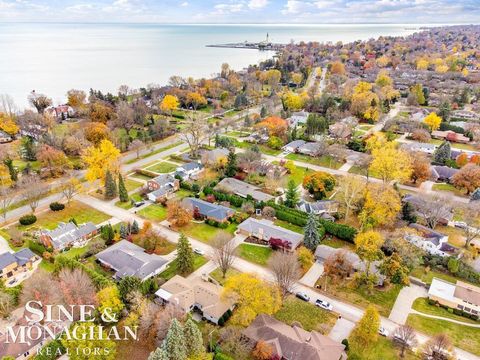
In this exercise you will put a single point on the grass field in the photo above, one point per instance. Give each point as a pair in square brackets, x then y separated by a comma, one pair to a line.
[140, 177]
[422, 305]
[154, 212]
[128, 205]
[162, 167]
[325, 160]
[206, 233]
[217, 275]
[448, 188]
[427, 277]
[383, 349]
[131, 184]
[289, 226]
[310, 316]
[172, 270]
[254, 253]
[263, 148]
[454, 145]
[159, 150]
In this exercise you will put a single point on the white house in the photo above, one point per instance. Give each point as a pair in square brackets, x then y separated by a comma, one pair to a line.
[431, 241]
[298, 118]
[189, 170]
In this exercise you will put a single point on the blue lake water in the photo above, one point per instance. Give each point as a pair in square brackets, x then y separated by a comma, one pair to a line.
[53, 58]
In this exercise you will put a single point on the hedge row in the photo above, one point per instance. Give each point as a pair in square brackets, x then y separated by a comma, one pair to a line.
[36, 247]
[99, 280]
[146, 173]
[234, 200]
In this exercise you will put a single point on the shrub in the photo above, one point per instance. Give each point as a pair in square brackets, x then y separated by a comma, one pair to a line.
[27, 219]
[221, 356]
[56, 206]
[221, 321]
[37, 248]
[450, 310]
[98, 279]
[345, 342]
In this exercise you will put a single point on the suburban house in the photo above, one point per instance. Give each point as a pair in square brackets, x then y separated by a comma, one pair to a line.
[215, 156]
[324, 252]
[442, 173]
[291, 342]
[60, 112]
[416, 201]
[431, 241]
[16, 267]
[450, 135]
[68, 235]
[243, 189]
[189, 170]
[4, 137]
[162, 187]
[465, 114]
[207, 210]
[257, 138]
[310, 148]
[461, 296]
[293, 146]
[128, 259]
[419, 147]
[319, 207]
[265, 230]
[298, 118]
[195, 295]
[340, 130]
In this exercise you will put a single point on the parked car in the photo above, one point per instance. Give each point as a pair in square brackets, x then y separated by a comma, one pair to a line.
[302, 296]
[324, 304]
[382, 331]
[199, 251]
[460, 224]
[139, 203]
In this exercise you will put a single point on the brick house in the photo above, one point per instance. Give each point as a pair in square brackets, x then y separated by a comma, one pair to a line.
[67, 235]
[16, 267]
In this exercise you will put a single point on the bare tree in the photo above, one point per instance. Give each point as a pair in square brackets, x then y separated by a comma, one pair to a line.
[439, 347]
[350, 192]
[71, 187]
[6, 304]
[194, 133]
[7, 105]
[405, 338]
[39, 101]
[223, 252]
[76, 288]
[125, 116]
[41, 286]
[137, 146]
[6, 199]
[286, 269]
[471, 217]
[433, 208]
[33, 190]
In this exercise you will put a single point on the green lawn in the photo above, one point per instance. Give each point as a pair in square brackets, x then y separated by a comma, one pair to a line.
[155, 152]
[217, 275]
[254, 253]
[289, 226]
[464, 337]
[449, 188]
[298, 174]
[263, 148]
[427, 277]
[204, 232]
[131, 184]
[454, 145]
[154, 212]
[162, 167]
[325, 160]
[383, 349]
[80, 212]
[140, 177]
[361, 171]
[336, 243]
[47, 266]
[172, 270]
[182, 193]
[74, 252]
[422, 305]
[128, 205]
[310, 316]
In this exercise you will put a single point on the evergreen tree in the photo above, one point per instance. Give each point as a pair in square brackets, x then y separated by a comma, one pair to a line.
[408, 213]
[123, 231]
[294, 133]
[231, 168]
[247, 122]
[475, 195]
[291, 196]
[174, 344]
[107, 233]
[263, 112]
[28, 146]
[184, 255]
[312, 237]
[158, 354]
[442, 153]
[110, 186]
[11, 169]
[135, 228]
[444, 111]
[122, 190]
[217, 140]
[193, 338]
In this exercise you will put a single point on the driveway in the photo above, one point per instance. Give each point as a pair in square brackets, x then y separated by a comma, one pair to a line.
[404, 302]
[341, 330]
[312, 275]
[4, 247]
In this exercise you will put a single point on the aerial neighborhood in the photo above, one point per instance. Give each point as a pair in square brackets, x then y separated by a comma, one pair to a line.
[322, 205]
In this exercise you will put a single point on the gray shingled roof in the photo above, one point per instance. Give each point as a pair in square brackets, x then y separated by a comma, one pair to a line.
[217, 212]
[66, 233]
[242, 188]
[268, 230]
[21, 257]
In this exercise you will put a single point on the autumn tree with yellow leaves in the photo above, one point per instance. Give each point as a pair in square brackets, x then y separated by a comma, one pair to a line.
[365, 102]
[381, 206]
[294, 101]
[101, 158]
[253, 296]
[7, 124]
[433, 121]
[367, 247]
[390, 164]
[169, 103]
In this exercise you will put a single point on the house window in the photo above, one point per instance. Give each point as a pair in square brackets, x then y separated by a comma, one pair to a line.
[467, 309]
[10, 273]
[460, 307]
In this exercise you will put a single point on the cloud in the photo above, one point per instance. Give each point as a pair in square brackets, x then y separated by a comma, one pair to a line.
[184, 4]
[257, 4]
[223, 9]
[296, 7]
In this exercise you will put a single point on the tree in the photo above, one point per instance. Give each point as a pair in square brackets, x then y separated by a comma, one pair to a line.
[381, 206]
[471, 217]
[53, 160]
[136, 146]
[312, 235]
[366, 330]
[462, 160]
[467, 178]
[365, 102]
[194, 99]
[433, 121]
[122, 190]
[252, 296]
[262, 351]
[110, 186]
[177, 214]
[293, 101]
[337, 266]
[184, 255]
[275, 143]
[7, 196]
[291, 196]
[76, 98]
[337, 68]
[275, 126]
[442, 153]
[439, 347]
[433, 208]
[272, 77]
[39, 101]
[95, 132]
[89, 336]
[7, 304]
[444, 111]
[194, 133]
[193, 339]
[100, 111]
[5, 178]
[315, 125]
[305, 258]
[420, 168]
[109, 299]
[8, 125]
[169, 103]
[367, 247]
[223, 252]
[125, 116]
[318, 184]
[33, 190]
[390, 164]
[286, 270]
[394, 269]
[101, 159]
[71, 187]
[231, 168]
[76, 288]
[41, 287]
[174, 344]
[405, 338]
[349, 192]
[417, 92]
[158, 354]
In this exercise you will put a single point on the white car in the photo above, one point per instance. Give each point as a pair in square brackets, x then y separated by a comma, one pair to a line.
[302, 296]
[324, 304]
[199, 251]
[382, 331]
[460, 224]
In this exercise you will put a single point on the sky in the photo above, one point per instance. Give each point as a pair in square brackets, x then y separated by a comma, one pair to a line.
[242, 11]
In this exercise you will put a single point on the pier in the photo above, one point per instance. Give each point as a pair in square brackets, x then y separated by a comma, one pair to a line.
[262, 45]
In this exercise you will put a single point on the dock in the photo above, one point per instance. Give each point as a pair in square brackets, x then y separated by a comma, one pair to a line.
[253, 46]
